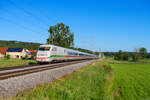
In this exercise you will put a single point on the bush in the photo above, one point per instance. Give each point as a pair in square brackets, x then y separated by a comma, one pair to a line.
[121, 56]
[7, 57]
[125, 57]
[148, 56]
[25, 57]
[136, 57]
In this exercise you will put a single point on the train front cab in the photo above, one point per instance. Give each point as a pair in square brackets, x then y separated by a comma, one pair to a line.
[43, 54]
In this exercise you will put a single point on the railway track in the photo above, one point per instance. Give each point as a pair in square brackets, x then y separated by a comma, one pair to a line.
[10, 72]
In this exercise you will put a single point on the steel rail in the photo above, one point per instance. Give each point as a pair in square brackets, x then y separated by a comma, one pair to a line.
[22, 71]
[33, 65]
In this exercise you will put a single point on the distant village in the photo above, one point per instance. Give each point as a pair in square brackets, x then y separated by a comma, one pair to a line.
[19, 53]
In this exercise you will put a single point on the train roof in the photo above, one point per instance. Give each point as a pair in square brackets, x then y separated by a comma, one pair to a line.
[49, 45]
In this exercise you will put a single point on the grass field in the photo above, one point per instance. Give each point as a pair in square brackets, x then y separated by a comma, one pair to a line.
[15, 62]
[102, 80]
[131, 82]
[145, 61]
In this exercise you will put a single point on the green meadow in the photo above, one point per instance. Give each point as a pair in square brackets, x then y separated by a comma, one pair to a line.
[15, 62]
[131, 82]
[101, 80]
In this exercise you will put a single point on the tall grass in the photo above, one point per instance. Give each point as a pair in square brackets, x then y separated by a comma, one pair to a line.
[88, 83]
[131, 82]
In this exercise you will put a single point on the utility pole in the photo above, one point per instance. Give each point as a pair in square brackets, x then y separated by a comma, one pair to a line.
[93, 45]
[100, 54]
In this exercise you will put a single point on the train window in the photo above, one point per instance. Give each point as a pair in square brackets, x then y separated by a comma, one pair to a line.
[54, 49]
[44, 48]
[71, 53]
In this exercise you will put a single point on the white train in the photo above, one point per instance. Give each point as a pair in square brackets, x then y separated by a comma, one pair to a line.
[49, 53]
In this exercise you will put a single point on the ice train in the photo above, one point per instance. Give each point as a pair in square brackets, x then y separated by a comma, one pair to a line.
[50, 53]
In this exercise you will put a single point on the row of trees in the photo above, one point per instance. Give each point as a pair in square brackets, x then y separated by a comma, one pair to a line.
[138, 54]
[121, 55]
[19, 44]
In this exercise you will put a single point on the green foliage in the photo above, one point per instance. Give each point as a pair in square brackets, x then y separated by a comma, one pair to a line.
[82, 50]
[140, 53]
[121, 56]
[18, 44]
[110, 54]
[25, 57]
[148, 55]
[136, 57]
[125, 57]
[60, 35]
[7, 57]
[143, 52]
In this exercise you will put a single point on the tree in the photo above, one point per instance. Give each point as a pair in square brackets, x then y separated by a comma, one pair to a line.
[60, 35]
[121, 56]
[148, 55]
[136, 55]
[143, 52]
[125, 56]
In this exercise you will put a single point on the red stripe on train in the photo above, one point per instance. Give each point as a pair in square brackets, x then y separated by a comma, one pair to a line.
[41, 57]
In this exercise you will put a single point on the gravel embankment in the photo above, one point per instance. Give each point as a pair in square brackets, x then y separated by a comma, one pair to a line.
[12, 86]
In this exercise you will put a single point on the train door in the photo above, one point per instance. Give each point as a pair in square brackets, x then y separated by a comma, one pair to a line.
[54, 53]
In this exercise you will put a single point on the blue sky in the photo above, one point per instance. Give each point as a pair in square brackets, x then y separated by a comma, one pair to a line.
[107, 24]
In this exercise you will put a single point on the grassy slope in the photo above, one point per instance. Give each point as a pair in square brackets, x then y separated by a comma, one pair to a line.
[87, 83]
[15, 62]
[19, 44]
[131, 82]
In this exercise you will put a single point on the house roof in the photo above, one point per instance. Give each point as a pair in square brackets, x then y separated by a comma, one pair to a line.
[3, 50]
[32, 51]
[14, 49]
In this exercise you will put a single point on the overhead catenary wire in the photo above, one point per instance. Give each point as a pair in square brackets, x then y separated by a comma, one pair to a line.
[27, 12]
[41, 12]
[8, 12]
[20, 25]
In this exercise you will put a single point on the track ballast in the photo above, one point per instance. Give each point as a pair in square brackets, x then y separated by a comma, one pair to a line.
[10, 72]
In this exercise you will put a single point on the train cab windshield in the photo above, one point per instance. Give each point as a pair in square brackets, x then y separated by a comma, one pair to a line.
[44, 48]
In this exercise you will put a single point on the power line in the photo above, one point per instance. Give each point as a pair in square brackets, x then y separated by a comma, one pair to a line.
[18, 17]
[20, 25]
[39, 10]
[27, 12]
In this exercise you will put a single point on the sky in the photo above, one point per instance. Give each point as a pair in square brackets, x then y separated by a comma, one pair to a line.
[106, 25]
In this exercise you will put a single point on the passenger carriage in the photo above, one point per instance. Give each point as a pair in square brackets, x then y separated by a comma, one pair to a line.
[49, 53]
